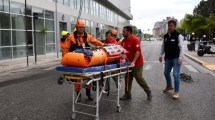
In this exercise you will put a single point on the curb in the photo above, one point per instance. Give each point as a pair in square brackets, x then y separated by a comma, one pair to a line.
[202, 63]
[196, 59]
[18, 68]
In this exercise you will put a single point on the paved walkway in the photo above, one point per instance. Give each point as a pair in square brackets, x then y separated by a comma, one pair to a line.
[207, 61]
[20, 64]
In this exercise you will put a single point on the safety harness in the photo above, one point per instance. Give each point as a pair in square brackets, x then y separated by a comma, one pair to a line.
[73, 47]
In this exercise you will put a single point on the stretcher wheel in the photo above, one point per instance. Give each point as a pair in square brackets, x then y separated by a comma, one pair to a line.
[60, 81]
[73, 116]
[118, 108]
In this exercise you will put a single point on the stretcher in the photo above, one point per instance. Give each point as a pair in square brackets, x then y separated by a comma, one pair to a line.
[95, 74]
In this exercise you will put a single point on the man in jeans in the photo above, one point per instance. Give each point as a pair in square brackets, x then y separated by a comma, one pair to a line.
[132, 44]
[173, 48]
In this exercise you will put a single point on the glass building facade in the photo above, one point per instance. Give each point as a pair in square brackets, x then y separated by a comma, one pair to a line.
[13, 38]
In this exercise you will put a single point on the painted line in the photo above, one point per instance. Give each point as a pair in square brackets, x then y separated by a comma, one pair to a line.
[148, 67]
[164, 67]
[191, 68]
[50, 68]
[152, 61]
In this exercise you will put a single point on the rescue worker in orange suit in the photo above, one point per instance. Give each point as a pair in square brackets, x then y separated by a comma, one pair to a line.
[63, 42]
[80, 40]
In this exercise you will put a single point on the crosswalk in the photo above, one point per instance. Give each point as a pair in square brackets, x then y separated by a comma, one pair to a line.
[149, 66]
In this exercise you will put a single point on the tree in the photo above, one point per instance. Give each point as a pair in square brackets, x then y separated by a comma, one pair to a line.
[204, 8]
[196, 24]
[134, 30]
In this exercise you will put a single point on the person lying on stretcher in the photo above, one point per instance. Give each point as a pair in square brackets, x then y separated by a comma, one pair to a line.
[77, 41]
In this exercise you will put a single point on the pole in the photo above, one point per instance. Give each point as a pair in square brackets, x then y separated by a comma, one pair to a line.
[35, 44]
[56, 32]
[26, 35]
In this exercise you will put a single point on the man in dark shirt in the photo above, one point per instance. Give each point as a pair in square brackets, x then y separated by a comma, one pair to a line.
[173, 48]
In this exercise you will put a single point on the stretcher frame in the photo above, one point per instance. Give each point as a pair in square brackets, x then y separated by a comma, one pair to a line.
[103, 76]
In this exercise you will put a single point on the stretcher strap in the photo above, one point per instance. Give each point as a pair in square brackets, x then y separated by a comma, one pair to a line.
[74, 77]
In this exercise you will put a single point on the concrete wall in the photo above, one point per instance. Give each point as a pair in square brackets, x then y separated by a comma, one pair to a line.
[124, 5]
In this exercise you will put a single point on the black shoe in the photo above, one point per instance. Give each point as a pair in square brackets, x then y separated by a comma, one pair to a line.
[79, 98]
[88, 94]
[149, 96]
[125, 97]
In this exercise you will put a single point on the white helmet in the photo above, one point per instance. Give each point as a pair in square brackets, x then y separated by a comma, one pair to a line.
[193, 33]
[204, 35]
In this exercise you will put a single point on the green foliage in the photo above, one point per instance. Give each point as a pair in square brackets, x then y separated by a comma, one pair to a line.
[205, 8]
[162, 35]
[134, 30]
[146, 35]
[43, 30]
[199, 25]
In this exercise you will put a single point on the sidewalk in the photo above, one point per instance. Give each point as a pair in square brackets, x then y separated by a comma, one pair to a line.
[19, 64]
[207, 61]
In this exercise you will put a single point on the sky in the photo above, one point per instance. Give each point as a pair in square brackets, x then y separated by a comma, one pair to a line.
[147, 12]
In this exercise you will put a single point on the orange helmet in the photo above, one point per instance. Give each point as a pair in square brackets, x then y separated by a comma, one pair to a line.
[80, 23]
[114, 32]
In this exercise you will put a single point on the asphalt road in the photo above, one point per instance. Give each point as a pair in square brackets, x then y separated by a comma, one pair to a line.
[35, 95]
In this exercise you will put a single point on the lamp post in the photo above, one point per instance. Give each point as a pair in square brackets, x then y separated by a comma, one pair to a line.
[35, 16]
[26, 34]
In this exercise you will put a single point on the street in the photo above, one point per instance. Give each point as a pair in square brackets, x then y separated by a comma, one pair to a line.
[37, 96]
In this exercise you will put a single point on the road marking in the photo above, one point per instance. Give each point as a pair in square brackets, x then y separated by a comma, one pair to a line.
[191, 68]
[148, 67]
[50, 68]
[152, 61]
[164, 68]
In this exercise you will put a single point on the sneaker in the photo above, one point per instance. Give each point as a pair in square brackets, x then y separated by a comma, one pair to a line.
[79, 98]
[125, 97]
[175, 95]
[90, 97]
[167, 89]
[88, 94]
[149, 96]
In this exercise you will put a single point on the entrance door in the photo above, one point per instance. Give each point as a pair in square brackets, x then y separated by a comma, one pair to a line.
[63, 27]
[97, 33]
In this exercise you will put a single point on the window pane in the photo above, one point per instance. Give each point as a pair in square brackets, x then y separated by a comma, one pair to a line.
[18, 22]
[5, 53]
[4, 5]
[78, 4]
[50, 48]
[4, 21]
[39, 11]
[60, 1]
[39, 24]
[73, 4]
[49, 14]
[50, 37]
[66, 2]
[5, 38]
[19, 52]
[20, 8]
[18, 37]
[50, 25]
[40, 43]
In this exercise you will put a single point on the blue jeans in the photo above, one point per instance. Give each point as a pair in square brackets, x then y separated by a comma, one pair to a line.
[169, 64]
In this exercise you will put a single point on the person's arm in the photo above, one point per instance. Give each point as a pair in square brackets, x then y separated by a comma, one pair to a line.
[137, 53]
[94, 41]
[69, 41]
[181, 47]
[162, 49]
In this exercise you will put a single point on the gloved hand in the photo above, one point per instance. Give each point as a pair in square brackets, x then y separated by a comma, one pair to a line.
[88, 52]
